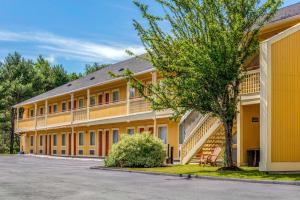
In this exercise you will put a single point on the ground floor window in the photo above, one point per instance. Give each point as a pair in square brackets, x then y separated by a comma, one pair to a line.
[115, 136]
[130, 131]
[80, 139]
[63, 139]
[54, 140]
[162, 133]
[92, 138]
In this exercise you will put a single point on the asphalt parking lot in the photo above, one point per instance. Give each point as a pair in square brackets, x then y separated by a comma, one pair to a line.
[27, 177]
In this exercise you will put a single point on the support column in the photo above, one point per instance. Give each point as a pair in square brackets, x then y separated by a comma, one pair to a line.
[128, 98]
[155, 127]
[88, 105]
[72, 142]
[72, 108]
[17, 121]
[239, 136]
[46, 112]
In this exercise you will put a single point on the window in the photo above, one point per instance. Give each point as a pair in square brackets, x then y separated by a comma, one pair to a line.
[41, 140]
[63, 139]
[115, 136]
[100, 99]
[63, 152]
[80, 139]
[115, 95]
[162, 134]
[92, 100]
[131, 92]
[49, 109]
[107, 98]
[151, 130]
[55, 108]
[31, 113]
[63, 106]
[41, 110]
[54, 140]
[130, 131]
[92, 138]
[81, 103]
[31, 140]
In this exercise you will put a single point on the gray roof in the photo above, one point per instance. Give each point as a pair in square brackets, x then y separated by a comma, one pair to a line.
[136, 65]
[286, 12]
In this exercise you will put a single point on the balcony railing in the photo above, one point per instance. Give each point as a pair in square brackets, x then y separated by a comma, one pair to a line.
[108, 110]
[251, 83]
[139, 105]
[40, 121]
[80, 115]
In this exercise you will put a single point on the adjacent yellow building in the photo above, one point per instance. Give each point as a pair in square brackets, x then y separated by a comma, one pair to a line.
[87, 116]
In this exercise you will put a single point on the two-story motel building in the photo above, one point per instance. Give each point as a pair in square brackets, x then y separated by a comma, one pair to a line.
[86, 116]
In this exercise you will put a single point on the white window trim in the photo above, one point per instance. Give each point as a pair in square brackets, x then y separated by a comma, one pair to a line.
[79, 98]
[112, 132]
[78, 143]
[64, 102]
[112, 96]
[163, 125]
[92, 146]
[55, 104]
[91, 96]
[64, 133]
[130, 128]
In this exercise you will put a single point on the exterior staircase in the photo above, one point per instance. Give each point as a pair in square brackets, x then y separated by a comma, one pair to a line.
[204, 134]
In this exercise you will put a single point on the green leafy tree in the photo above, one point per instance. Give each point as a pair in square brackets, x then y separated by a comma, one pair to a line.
[90, 68]
[199, 48]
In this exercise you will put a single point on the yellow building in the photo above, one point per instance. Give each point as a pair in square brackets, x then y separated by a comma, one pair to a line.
[86, 116]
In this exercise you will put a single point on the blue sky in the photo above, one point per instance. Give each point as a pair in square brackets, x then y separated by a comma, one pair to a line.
[71, 32]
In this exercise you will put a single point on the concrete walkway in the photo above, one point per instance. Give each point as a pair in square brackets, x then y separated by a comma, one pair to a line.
[26, 177]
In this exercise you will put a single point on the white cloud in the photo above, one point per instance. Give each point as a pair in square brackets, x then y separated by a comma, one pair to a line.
[70, 48]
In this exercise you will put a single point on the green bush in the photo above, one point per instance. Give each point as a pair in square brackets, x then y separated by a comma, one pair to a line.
[138, 150]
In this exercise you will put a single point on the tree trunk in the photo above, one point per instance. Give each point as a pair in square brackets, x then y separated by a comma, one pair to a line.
[228, 142]
[12, 131]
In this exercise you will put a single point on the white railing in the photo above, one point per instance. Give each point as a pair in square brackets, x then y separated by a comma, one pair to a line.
[251, 83]
[40, 121]
[139, 105]
[80, 115]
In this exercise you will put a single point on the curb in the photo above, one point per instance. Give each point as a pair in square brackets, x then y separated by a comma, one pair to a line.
[188, 176]
[64, 158]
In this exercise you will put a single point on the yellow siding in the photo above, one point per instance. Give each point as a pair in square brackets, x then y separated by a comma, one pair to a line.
[58, 118]
[26, 123]
[250, 138]
[285, 95]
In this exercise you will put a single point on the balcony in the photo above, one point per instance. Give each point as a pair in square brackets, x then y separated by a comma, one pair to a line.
[251, 83]
[139, 105]
[108, 110]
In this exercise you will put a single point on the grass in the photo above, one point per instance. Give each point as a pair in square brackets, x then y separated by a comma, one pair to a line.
[246, 173]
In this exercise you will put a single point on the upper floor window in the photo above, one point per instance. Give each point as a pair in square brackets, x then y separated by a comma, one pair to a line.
[80, 139]
[55, 108]
[63, 106]
[107, 98]
[92, 138]
[115, 95]
[92, 100]
[100, 99]
[81, 103]
[63, 139]
[69, 105]
[31, 140]
[54, 140]
[31, 113]
[131, 92]
[115, 136]
[162, 133]
[41, 111]
[130, 131]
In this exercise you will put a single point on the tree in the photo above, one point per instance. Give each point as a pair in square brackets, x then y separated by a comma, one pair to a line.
[16, 74]
[199, 47]
[90, 68]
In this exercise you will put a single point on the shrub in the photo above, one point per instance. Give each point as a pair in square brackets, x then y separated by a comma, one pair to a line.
[138, 150]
